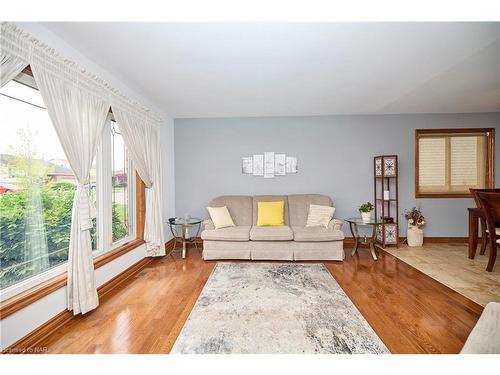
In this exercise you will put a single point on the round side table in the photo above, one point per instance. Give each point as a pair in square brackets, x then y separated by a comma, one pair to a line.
[179, 228]
[354, 223]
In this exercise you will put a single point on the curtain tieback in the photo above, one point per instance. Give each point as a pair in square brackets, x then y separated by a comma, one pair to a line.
[86, 208]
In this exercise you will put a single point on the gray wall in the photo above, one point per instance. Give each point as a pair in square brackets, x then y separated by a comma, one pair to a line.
[335, 157]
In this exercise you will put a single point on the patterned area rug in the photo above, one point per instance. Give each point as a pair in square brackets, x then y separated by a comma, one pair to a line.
[265, 308]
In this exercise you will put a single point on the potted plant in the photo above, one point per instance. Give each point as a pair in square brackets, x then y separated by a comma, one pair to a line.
[365, 211]
[415, 235]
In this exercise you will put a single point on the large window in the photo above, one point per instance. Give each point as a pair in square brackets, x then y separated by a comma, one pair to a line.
[122, 185]
[37, 187]
[451, 161]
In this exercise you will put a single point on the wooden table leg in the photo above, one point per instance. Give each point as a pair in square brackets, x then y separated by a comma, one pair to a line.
[473, 233]
[484, 237]
[493, 256]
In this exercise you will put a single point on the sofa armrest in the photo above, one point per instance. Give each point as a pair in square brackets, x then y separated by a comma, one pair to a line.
[208, 224]
[335, 224]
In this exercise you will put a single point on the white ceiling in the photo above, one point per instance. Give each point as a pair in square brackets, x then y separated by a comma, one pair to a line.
[291, 69]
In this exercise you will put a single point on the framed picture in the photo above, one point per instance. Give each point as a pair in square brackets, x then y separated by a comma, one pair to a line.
[247, 165]
[279, 164]
[268, 164]
[291, 164]
[258, 165]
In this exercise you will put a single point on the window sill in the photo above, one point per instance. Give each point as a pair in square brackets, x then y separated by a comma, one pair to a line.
[107, 257]
[29, 296]
[443, 195]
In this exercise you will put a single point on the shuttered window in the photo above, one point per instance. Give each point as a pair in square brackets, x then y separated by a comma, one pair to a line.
[451, 161]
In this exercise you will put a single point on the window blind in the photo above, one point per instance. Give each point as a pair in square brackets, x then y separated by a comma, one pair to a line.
[432, 163]
[452, 163]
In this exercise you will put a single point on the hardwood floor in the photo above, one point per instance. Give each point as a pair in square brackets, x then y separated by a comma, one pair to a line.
[450, 265]
[411, 312]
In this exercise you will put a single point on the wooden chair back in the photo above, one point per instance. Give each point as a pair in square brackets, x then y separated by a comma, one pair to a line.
[490, 202]
[476, 198]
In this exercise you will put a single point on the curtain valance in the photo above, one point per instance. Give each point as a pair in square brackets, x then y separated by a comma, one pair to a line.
[17, 44]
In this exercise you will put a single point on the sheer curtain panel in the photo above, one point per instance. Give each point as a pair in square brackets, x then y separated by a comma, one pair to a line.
[142, 139]
[78, 118]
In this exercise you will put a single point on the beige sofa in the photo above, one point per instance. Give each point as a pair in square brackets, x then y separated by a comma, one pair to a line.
[293, 241]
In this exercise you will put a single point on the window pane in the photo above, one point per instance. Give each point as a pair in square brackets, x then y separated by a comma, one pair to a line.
[120, 185]
[466, 155]
[36, 188]
[432, 162]
[92, 192]
[452, 162]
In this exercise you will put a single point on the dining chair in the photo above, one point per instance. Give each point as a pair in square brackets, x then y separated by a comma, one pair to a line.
[484, 228]
[490, 203]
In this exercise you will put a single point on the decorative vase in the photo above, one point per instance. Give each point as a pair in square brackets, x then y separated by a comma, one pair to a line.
[366, 216]
[415, 236]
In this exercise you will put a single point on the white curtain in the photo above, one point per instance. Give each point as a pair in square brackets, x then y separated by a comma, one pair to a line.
[10, 67]
[78, 103]
[78, 117]
[142, 139]
[153, 227]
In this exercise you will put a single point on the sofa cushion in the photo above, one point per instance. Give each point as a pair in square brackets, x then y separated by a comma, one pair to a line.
[319, 216]
[298, 205]
[239, 207]
[282, 233]
[269, 198]
[221, 218]
[270, 213]
[238, 233]
[316, 234]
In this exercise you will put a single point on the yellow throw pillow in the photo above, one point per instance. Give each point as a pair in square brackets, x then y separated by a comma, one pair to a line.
[220, 217]
[270, 213]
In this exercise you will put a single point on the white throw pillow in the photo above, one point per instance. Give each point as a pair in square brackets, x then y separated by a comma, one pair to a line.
[319, 216]
[220, 217]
